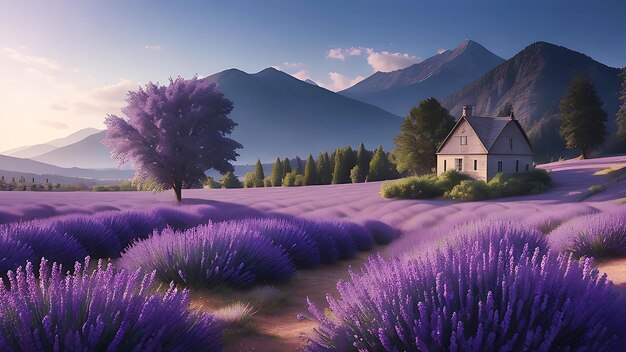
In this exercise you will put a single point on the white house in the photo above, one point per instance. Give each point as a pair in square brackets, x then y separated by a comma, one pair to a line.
[482, 146]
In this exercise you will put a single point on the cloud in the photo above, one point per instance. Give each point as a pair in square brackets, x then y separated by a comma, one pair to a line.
[293, 64]
[56, 125]
[339, 82]
[37, 74]
[383, 61]
[114, 92]
[27, 59]
[59, 105]
[153, 47]
[301, 75]
[441, 51]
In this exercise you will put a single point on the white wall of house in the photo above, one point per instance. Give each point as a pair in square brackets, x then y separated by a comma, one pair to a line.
[511, 164]
[454, 146]
[467, 164]
[511, 141]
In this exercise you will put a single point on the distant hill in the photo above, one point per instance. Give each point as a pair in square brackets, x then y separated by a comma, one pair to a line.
[310, 82]
[14, 164]
[38, 149]
[437, 76]
[64, 180]
[533, 82]
[88, 153]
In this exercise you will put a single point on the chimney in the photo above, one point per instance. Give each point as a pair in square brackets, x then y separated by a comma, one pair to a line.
[467, 111]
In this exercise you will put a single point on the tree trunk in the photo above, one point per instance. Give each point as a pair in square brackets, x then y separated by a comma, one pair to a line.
[583, 154]
[178, 190]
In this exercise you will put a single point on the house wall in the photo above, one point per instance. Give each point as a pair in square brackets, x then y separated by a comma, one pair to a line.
[453, 144]
[508, 163]
[502, 146]
[468, 164]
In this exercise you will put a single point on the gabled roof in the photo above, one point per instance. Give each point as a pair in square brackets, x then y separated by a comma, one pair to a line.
[487, 128]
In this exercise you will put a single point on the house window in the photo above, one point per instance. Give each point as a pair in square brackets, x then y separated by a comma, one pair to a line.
[475, 164]
[459, 164]
[510, 143]
[499, 166]
[444, 165]
[526, 167]
[463, 140]
[516, 165]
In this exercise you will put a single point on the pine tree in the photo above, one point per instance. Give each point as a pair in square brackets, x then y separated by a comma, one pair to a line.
[310, 172]
[259, 175]
[277, 173]
[421, 133]
[620, 117]
[363, 158]
[324, 169]
[379, 166]
[299, 168]
[230, 181]
[341, 173]
[582, 118]
[286, 166]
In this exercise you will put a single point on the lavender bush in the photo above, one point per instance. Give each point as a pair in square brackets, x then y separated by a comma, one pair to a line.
[13, 253]
[211, 255]
[381, 232]
[132, 224]
[178, 219]
[286, 235]
[601, 235]
[363, 239]
[97, 238]
[101, 311]
[45, 241]
[481, 294]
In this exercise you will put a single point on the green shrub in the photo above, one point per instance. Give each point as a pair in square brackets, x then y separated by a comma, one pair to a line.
[451, 178]
[289, 180]
[412, 188]
[248, 180]
[267, 181]
[211, 183]
[593, 190]
[470, 190]
[230, 181]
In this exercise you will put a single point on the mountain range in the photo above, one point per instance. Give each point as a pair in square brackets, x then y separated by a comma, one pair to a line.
[437, 76]
[279, 115]
[43, 148]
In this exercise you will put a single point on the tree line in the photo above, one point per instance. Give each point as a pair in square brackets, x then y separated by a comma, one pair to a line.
[344, 165]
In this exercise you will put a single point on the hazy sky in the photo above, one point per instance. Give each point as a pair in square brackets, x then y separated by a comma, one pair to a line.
[65, 64]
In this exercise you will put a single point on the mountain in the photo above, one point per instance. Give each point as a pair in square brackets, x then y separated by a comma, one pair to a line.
[20, 165]
[38, 149]
[437, 76]
[533, 82]
[309, 81]
[88, 153]
[280, 115]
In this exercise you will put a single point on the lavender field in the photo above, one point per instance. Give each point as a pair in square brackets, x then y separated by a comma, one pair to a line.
[246, 262]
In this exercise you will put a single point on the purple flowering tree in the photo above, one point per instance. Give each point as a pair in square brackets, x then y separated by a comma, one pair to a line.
[172, 134]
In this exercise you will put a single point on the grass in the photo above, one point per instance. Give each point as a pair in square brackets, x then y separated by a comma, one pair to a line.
[615, 172]
[593, 190]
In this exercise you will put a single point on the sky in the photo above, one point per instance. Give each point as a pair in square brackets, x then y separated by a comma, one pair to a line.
[65, 65]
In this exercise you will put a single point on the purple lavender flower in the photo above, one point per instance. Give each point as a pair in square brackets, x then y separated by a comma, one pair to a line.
[98, 311]
[211, 255]
[601, 235]
[483, 292]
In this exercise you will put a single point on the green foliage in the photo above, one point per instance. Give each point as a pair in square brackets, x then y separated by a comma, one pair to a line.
[380, 167]
[299, 168]
[341, 172]
[230, 181]
[286, 166]
[593, 190]
[451, 178]
[277, 173]
[267, 182]
[299, 180]
[455, 185]
[324, 169]
[506, 110]
[310, 172]
[259, 175]
[421, 133]
[470, 190]
[423, 187]
[211, 183]
[290, 179]
[363, 159]
[248, 180]
[620, 117]
[124, 186]
[355, 175]
[582, 118]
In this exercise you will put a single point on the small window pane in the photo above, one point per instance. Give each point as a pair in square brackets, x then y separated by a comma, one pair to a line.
[475, 164]
[459, 164]
[511, 143]
[444, 165]
[463, 140]
[499, 166]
